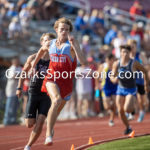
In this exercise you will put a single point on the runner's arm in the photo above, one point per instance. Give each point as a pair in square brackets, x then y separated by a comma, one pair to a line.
[114, 78]
[138, 66]
[76, 47]
[25, 70]
[98, 79]
[40, 53]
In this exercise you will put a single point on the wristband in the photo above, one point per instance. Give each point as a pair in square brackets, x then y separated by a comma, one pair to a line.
[19, 89]
[97, 93]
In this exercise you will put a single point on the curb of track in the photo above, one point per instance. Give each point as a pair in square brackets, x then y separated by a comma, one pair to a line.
[83, 147]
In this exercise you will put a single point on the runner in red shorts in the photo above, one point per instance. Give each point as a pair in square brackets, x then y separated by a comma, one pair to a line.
[59, 80]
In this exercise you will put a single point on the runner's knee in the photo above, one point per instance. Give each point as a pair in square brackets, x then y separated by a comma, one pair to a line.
[107, 106]
[120, 110]
[29, 124]
[57, 101]
[127, 109]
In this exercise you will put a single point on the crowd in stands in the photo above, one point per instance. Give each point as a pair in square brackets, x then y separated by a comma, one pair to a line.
[95, 25]
[16, 16]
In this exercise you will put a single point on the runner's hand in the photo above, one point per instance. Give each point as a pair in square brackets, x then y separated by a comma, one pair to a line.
[71, 40]
[19, 93]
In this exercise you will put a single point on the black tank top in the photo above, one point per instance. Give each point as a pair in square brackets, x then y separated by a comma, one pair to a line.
[126, 75]
[37, 80]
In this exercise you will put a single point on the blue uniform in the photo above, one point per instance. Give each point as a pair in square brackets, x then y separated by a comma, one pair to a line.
[108, 88]
[139, 80]
[126, 86]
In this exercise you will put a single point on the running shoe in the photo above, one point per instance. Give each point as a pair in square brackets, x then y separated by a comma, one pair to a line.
[130, 117]
[111, 123]
[27, 147]
[127, 131]
[48, 141]
[141, 116]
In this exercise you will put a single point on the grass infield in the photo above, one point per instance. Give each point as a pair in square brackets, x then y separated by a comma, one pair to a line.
[137, 143]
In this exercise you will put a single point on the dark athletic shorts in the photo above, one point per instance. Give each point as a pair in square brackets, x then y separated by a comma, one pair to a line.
[140, 89]
[37, 103]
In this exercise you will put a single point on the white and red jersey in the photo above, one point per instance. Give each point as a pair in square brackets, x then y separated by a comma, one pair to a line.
[61, 61]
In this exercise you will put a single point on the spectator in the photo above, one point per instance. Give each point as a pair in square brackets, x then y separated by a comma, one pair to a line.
[12, 100]
[93, 66]
[79, 22]
[137, 34]
[138, 30]
[101, 18]
[114, 10]
[135, 9]
[94, 22]
[94, 19]
[117, 42]
[84, 91]
[86, 45]
[80, 25]
[110, 35]
[14, 29]
[86, 18]
[11, 12]
[25, 17]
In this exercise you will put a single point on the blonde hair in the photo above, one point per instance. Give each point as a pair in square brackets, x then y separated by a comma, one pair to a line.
[130, 42]
[94, 13]
[50, 35]
[81, 12]
[63, 20]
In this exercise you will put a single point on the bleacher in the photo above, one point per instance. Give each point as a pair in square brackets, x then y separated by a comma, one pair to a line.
[25, 47]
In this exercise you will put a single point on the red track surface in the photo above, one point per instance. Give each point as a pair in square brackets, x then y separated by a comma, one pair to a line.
[70, 132]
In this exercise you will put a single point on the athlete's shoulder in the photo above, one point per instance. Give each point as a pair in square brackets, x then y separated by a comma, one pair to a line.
[116, 63]
[67, 44]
